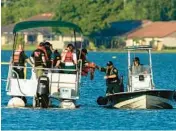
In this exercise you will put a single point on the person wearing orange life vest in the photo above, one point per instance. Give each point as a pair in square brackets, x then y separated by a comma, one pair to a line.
[69, 58]
[42, 47]
[19, 59]
[49, 51]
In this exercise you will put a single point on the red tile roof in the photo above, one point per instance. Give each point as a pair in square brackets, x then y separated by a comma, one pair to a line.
[155, 29]
[44, 16]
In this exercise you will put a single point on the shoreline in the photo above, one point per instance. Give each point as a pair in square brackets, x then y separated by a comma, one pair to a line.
[33, 47]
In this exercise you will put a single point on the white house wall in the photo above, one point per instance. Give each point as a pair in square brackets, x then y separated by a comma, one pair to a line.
[57, 44]
[169, 42]
[68, 38]
[3, 40]
[39, 38]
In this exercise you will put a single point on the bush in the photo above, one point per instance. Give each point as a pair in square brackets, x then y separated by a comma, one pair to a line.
[102, 47]
[91, 46]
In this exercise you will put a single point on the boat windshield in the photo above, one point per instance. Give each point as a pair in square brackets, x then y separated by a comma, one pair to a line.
[141, 69]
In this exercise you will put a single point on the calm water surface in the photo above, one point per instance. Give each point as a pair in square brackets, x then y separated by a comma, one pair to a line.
[90, 115]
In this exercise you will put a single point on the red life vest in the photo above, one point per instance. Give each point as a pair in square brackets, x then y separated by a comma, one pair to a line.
[16, 57]
[69, 57]
[44, 50]
[91, 65]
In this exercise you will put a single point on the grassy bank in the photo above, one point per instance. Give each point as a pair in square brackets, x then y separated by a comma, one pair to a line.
[10, 47]
[33, 47]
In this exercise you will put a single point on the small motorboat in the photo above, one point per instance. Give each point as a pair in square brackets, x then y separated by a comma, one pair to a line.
[141, 92]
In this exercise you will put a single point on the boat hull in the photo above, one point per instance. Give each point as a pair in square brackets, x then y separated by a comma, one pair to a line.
[152, 99]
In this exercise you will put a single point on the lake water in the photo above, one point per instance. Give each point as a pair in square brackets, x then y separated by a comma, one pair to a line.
[90, 116]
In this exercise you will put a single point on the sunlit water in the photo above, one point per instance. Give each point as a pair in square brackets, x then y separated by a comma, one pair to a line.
[90, 115]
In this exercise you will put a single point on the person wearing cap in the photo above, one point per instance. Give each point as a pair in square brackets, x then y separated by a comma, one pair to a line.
[87, 66]
[49, 51]
[69, 58]
[41, 46]
[112, 80]
[136, 68]
[39, 59]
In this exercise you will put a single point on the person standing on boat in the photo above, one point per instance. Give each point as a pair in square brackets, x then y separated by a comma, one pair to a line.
[56, 59]
[112, 80]
[39, 59]
[68, 58]
[136, 68]
[87, 66]
[19, 59]
[49, 50]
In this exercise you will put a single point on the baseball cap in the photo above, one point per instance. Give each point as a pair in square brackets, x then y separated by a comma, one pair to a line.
[136, 59]
[109, 63]
[85, 51]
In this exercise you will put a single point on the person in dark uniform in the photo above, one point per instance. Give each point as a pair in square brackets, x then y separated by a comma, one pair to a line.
[49, 50]
[19, 59]
[39, 59]
[56, 59]
[112, 80]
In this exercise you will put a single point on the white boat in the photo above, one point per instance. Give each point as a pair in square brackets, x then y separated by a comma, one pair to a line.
[61, 86]
[141, 92]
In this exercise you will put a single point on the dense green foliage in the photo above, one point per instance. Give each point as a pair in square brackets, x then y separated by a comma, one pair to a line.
[91, 15]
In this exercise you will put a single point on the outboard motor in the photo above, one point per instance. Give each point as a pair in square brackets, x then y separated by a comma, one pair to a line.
[42, 94]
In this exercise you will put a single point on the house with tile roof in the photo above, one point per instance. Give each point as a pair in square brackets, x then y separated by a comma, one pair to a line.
[37, 35]
[160, 34]
[30, 36]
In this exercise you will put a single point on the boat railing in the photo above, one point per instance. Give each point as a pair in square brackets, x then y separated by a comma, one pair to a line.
[51, 71]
